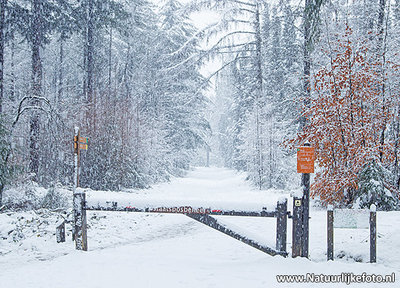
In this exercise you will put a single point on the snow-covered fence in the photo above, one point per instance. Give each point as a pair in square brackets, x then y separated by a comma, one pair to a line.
[60, 232]
[203, 215]
[351, 220]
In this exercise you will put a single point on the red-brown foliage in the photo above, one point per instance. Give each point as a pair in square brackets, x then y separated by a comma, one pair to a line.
[345, 118]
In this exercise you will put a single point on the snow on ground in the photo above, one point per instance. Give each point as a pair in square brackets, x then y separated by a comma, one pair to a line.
[150, 250]
[205, 187]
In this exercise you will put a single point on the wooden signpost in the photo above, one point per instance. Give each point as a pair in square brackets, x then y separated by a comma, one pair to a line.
[80, 143]
[301, 206]
[79, 235]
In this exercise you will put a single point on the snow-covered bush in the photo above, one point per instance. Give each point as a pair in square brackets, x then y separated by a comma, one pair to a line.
[24, 197]
[32, 197]
[54, 199]
[372, 188]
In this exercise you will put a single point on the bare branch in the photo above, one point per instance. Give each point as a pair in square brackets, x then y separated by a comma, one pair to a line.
[219, 70]
[195, 37]
[243, 3]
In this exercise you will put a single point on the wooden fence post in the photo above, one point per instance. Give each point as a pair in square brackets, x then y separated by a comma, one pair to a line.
[80, 222]
[281, 225]
[297, 231]
[305, 180]
[372, 234]
[84, 224]
[60, 232]
[330, 233]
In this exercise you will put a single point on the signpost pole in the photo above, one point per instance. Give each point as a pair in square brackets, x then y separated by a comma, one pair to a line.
[78, 156]
[305, 182]
[79, 234]
[301, 206]
[76, 176]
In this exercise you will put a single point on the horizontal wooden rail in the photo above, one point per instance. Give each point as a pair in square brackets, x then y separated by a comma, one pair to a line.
[185, 210]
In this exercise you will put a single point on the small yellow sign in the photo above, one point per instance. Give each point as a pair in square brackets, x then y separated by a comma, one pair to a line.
[84, 140]
[83, 146]
[297, 203]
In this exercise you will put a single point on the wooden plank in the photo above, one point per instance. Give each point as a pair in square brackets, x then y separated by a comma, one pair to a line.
[213, 223]
[185, 210]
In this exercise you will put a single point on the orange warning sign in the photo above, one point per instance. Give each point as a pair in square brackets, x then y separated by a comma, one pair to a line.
[305, 159]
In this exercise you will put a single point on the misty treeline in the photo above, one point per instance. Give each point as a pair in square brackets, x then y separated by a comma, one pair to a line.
[125, 72]
[322, 72]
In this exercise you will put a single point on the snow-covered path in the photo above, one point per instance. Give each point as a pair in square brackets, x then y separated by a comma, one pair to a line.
[153, 250]
[215, 187]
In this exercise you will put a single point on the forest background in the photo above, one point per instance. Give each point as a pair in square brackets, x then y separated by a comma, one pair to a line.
[129, 73]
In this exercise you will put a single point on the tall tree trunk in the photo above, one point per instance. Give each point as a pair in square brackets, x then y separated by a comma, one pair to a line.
[397, 119]
[2, 42]
[12, 78]
[307, 59]
[258, 100]
[381, 19]
[36, 87]
[397, 147]
[381, 47]
[61, 71]
[110, 63]
[90, 65]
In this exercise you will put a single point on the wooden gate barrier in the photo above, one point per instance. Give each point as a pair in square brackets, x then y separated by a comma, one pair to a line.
[202, 215]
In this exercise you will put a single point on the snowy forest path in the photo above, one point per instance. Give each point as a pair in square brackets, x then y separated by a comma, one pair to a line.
[203, 186]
